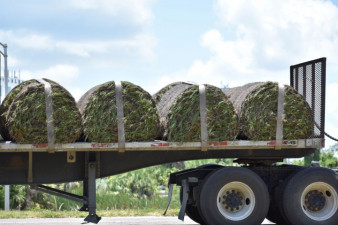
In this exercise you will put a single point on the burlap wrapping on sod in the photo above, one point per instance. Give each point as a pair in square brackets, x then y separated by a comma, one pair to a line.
[26, 117]
[165, 98]
[179, 109]
[257, 107]
[99, 116]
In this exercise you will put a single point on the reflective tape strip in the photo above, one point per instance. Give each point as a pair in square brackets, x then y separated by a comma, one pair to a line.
[49, 115]
[120, 115]
[280, 112]
[203, 116]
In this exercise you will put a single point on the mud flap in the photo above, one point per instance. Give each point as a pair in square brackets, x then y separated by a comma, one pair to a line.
[185, 185]
[171, 187]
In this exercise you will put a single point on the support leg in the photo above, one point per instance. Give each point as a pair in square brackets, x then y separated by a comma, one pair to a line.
[92, 217]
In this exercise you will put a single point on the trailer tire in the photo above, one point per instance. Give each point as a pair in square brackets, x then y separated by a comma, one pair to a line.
[234, 196]
[310, 197]
[276, 213]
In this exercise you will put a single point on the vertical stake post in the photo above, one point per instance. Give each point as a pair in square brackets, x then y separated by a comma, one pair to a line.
[92, 217]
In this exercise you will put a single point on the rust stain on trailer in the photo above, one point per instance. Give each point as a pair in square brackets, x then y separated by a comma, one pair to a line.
[17, 162]
[14, 163]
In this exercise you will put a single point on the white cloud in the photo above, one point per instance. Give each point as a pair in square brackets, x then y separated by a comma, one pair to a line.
[12, 61]
[331, 113]
[140, 45]
[331, 129]
[63, 74]
[260, 39]
[133, 11]
[282, 31]
[331, 96]
[230, 63]
[75, 91]
[27, 40]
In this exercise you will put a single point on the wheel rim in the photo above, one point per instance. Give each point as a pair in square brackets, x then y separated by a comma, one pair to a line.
[319, 201]
[236, 201]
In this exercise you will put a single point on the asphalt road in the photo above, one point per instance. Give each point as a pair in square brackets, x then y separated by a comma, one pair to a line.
[106, 221]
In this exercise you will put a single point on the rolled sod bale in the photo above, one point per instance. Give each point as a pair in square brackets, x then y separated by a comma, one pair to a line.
[99, 114]
[5, 106]
[26, 116]
[165, 98]
[257, 106]
[180, 111]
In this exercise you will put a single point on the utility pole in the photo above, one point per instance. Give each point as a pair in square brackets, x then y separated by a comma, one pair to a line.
[7, 194]
[6, 67]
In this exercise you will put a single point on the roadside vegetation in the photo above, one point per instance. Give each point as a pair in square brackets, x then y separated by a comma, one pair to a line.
[327, 158]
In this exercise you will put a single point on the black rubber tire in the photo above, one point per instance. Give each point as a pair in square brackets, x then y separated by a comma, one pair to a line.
[291, 200]
[191, 210]
[214, 183]
[276, 213]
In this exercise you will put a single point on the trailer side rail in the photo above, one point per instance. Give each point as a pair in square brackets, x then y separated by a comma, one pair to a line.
[162, 145]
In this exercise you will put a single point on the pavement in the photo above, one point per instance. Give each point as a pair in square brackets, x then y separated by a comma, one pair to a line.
[144, 220]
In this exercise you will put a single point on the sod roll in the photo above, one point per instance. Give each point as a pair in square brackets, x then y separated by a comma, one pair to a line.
[5, 106]
[26, 116]
[257, 106]
[179, 108]
[165, 98]
[99, 114]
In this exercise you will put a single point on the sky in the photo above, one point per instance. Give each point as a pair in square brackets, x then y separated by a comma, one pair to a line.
[151, 43]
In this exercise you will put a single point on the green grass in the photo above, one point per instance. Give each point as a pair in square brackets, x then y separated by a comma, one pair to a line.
[26, 116]
[110, 201]
[44, 213]
[184, 121]
[258, 119]
[99, 116]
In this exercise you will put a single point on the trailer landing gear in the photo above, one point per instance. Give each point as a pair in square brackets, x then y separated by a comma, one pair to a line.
[92, 217]
[89, 193]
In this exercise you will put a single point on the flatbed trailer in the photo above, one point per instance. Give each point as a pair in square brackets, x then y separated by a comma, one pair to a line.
[31, 163]
[210, 194]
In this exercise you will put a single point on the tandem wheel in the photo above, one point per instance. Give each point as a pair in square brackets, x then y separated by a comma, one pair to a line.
[233, 196]
[310, 197]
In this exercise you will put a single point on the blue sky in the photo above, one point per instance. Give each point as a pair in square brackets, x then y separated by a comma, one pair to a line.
[83, 43]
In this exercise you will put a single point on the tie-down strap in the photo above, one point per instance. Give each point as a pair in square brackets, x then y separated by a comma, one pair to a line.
[280, 112]
[203, 117]
[120, 115]
[49, 115]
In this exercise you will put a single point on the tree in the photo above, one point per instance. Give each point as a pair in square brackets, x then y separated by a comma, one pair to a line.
[313, 157]
[329, 157]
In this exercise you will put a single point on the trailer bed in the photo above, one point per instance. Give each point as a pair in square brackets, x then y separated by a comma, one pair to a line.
[36, 163]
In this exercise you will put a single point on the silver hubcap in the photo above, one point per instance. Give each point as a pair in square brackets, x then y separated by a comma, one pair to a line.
[319, 201]
[236, 201]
